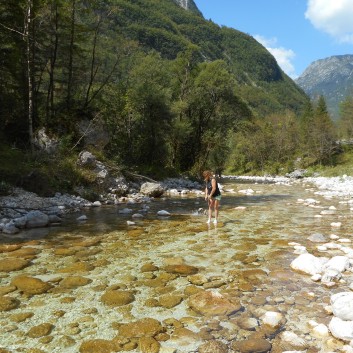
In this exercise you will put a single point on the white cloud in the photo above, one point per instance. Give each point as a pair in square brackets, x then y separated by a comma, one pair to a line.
[282, 55]
[333, 17]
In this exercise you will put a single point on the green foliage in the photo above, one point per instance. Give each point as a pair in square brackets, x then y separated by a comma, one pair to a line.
[322, 135]
[5, 188]
[345, 122]
[175, 92]
[274, 144]
[342, 164]
[42, 173]
[13, 164]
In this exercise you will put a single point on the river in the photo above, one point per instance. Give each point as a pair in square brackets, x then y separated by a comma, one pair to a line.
[153, 267]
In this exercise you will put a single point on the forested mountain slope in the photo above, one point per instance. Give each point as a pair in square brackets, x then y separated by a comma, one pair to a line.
[170, 30]
[168, 86]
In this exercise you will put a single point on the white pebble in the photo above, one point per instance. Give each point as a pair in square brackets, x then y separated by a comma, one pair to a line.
[321, 330]
[316, 277]
[163, 213]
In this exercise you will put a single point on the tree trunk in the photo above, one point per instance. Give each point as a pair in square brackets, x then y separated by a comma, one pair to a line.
[71, 54]
[94, 69]
[53, 57]
[27, 38]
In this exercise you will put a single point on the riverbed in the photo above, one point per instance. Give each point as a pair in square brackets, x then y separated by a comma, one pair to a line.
[106, 278]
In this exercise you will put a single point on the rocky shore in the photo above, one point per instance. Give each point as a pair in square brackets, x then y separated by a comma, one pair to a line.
[23, 209]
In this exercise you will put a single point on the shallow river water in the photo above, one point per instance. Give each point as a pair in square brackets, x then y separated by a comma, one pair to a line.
[114, 287]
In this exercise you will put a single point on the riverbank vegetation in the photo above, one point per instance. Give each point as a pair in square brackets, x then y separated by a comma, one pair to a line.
[149, 87]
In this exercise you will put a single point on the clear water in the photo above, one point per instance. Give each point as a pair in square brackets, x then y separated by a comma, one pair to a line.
[247, 256]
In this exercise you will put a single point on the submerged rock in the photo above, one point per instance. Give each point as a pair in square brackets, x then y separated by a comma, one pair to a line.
[98, 345]
[8, 303]
[147, 327]
[30, 285]
[149, 345]
[211, 303]
[256, 345]
[40, 330]
[213, 347]
[13, 264]
[183, 270]
[117, 298]
[273, 319]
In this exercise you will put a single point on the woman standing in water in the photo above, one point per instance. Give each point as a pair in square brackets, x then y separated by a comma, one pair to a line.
[212, 195]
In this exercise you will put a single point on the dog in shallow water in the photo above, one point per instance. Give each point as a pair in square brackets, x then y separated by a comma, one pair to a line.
[202, 211]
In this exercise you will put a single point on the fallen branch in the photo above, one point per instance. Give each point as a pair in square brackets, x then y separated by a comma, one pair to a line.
[140, 176]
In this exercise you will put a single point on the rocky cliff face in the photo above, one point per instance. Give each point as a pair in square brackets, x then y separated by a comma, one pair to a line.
[332, 78]
[188, 5]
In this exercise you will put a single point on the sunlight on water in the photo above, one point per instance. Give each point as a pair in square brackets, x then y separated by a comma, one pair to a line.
[162, 261]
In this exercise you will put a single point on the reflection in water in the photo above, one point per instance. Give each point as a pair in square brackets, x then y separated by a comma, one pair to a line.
[246, 257]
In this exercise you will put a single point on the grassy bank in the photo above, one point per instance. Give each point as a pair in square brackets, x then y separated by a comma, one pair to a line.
[41, 173]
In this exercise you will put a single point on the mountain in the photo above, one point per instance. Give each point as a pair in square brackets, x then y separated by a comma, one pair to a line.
[188, 5]
[174, 26]
[332, 78]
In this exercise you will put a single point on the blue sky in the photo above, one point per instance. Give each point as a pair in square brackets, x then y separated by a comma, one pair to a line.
[296, 32]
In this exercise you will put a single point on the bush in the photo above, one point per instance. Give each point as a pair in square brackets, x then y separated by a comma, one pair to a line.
[5, 188]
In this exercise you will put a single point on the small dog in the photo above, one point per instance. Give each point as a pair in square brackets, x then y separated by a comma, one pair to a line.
[202, 211]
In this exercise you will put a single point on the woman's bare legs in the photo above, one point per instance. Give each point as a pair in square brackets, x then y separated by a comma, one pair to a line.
[215, 206]
[211, 203]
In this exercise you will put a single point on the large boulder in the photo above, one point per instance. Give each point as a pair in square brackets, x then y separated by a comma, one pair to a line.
[36, 219]
[152, 189]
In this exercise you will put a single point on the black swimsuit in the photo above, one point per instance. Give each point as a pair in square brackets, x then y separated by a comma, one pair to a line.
[209, 188]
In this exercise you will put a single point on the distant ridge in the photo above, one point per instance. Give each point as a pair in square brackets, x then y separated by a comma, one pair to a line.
[332, 78]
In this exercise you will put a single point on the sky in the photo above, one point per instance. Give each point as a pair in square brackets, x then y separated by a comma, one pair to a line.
[296, 32]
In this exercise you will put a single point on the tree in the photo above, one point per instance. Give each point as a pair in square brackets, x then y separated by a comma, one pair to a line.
[19, 27]
[142, 116]
[346, 118]
[322, 134]
[184, 70]
[29, 61]
[214, 110]
[13, 91]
